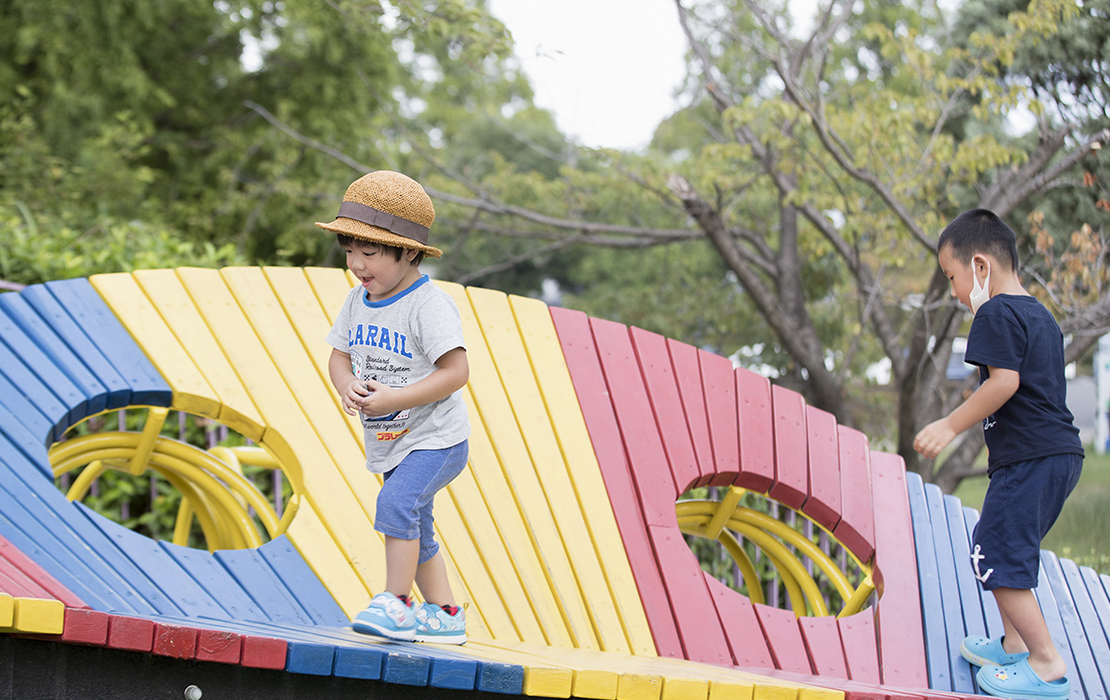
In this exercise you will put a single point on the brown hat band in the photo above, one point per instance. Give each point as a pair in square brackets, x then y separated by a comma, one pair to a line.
[381, 219]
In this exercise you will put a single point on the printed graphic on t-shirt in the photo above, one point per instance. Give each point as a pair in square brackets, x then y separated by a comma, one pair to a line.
[383, 371]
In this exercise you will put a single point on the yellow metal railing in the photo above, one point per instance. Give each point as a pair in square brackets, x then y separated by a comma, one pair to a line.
[212, 485]
[782, 545]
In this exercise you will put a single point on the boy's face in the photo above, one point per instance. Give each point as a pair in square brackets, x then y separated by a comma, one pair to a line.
[961, 277]
[380, 273]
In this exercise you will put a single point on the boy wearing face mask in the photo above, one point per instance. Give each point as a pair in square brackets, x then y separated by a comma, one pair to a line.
[1035, 455]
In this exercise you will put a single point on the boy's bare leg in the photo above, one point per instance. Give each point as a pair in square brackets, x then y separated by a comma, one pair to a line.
[1026, 630]
[401, 557]
[431, 578]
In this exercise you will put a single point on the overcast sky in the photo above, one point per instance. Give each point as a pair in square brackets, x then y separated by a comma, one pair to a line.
[607, 69]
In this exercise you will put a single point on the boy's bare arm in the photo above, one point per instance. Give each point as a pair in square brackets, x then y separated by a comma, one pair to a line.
[351, 390]
[988, 398]
[451, 374]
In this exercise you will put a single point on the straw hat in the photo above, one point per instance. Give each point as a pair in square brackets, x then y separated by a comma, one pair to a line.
[388, 208]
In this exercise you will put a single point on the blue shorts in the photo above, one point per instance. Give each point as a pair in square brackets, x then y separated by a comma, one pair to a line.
[1023, 501]
[405, 501]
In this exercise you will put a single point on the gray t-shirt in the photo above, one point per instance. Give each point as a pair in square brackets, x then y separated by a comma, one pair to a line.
[396, 342]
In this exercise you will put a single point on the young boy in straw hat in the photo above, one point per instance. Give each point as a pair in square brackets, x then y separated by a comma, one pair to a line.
[399, 363]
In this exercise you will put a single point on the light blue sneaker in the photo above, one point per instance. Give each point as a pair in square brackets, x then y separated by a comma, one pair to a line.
[433, 624]
[387, 617]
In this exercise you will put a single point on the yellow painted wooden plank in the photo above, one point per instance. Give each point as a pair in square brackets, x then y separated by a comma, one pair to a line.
[533, 319]
[342, 514]
[517, 376]
[176, 309]
[496, 497]
[640, 686]
[7, 609]
[191, 392]
[685, 689]
[37, 616]
[548, 682]
[312, 540]
[730, 690]
[527, 494]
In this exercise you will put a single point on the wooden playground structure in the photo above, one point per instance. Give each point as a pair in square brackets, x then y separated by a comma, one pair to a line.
[565, 537]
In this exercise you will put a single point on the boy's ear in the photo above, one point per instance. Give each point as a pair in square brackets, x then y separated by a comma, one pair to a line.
[410, 254]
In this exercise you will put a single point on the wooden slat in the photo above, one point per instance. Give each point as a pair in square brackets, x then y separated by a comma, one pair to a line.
[583, 364]
[823, 505]
[1068, 634]
[932, 618]
[583, 592]
[1097, 643]
[898, 618]
[686, 364]
[16, 560]
[992, 617]
[141, 319]
[495, 447]
[719, 388]
[784, 638]
[738, 620]
[970, 593]
[690, 601]
[861, 652]
[35, 376]
[757, 431]
[95, 320]
[666, 404]
[960, 670]
[856, 529]
[791, 485]
[821, 636]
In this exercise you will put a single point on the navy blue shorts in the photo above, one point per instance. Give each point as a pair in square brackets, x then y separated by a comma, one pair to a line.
[405, 502]
[1023, 501]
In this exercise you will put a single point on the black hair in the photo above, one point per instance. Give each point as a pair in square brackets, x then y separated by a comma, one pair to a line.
[346, 241]
[980, 231]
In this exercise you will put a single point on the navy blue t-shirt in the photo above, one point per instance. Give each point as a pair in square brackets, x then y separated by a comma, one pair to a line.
[1018, 333]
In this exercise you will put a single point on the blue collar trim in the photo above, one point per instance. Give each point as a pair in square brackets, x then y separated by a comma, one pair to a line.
[396, 297]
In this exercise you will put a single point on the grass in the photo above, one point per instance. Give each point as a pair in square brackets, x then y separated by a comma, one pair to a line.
[1082, 533]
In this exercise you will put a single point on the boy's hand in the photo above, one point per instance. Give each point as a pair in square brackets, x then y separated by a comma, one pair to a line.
[379, 400]
[933, 438]
[353, 396]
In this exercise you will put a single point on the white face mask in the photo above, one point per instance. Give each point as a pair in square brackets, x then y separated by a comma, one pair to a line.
[979, 294]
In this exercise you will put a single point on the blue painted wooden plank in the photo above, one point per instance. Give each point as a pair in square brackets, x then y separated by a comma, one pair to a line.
[216, 581]
[97, 321]
[35, 391]
[301, 581]
[57, 561]
[21, 439]
[66, 523]
[955, 630]
[268, 592]
[970, 592]
[160, 568]
[398, 667]
[1099, 598]
[991, 616]
[1097, 643]
[51, 319]
[932, 609]
[1067, 630]
[16, 405]
[79, 403]
[19, 311]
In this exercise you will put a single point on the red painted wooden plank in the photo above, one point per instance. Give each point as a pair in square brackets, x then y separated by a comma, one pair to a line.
[898, 611]
[220, 646]
[174, 641]
[85, 627]
[857, 633]
[784, 637]
[690, 603]
[823, 504]
[739, 621]
[791, 485]
[856, 529]
[822, 641]
[719, 386]
[130, 633]
[640, 436]
[670, 418]
[577, 342]
[20, 561]
[687, 372]
[757, 431]
[18, 585]
[264, 652]
[694, 611]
